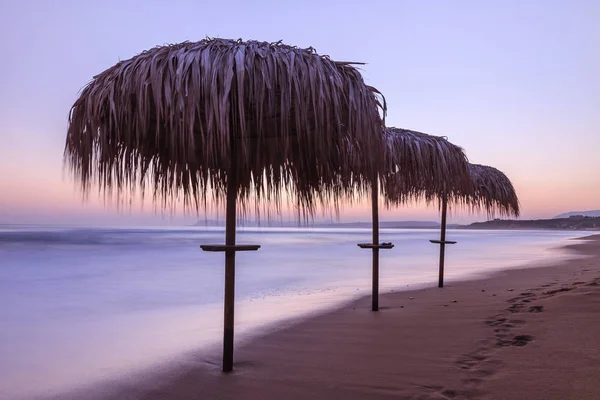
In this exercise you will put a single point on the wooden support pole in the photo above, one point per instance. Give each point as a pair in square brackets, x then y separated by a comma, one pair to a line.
[443, 240]
[375, 250]
[230, 227]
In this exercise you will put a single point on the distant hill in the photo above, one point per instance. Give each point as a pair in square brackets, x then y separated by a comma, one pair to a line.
[590, 213]
[577, 223]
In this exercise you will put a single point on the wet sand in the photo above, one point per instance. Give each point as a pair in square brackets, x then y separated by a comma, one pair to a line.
[520, 334]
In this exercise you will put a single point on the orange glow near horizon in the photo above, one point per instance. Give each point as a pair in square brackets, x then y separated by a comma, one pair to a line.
[36, 185]
[58, 197]
[32, 184]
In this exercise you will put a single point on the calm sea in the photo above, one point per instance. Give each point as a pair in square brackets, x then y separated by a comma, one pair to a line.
[82, 305]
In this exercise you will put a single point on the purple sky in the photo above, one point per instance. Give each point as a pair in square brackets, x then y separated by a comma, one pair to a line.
[513, 82]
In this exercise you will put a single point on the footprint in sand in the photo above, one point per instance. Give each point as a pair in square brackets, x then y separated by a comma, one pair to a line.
[595, 282]
[472, 359]
[522, 340]
[521, 296]
[508, 326]
[466, 364]
[559, 290]
[450, 394]
[524, 297]
[515, 308]
[519, 341]
[495, 322]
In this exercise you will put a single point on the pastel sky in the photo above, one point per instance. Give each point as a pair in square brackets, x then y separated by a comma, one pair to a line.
[514, 82]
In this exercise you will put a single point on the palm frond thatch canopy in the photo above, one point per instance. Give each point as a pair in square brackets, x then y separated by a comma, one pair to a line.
[167, 117]
[424, 166]
[241, 120]
[493, 191]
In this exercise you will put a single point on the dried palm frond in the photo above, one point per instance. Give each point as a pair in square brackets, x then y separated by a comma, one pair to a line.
[182, 119]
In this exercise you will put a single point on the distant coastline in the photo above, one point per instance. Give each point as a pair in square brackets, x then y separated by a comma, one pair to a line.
[356, 225]
[576, 223]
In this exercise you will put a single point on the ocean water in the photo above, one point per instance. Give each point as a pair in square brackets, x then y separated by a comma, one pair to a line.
[82, 305]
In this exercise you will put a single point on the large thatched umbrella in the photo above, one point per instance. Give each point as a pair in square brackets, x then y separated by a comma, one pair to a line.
[419, 165]
[490, 190]
[238, 121]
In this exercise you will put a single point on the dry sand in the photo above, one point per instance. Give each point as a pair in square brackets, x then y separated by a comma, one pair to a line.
[521, 334]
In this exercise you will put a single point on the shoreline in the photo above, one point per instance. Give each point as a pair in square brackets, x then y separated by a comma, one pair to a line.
[324, 355]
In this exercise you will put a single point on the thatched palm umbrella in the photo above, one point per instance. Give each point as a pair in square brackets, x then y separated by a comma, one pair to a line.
[231, 119]
[492, 191]
[419, 165]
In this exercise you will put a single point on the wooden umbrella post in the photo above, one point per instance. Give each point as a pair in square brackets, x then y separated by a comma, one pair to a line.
[375, 245]
[375, 279]
[443, 241]
[230, 248]
[230, 226]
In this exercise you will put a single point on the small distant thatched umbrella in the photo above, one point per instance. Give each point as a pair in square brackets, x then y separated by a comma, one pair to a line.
[419, 165]
[492, 191]
[240, 120]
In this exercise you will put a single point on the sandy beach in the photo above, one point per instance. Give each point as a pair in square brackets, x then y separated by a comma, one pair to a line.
[520, 334]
